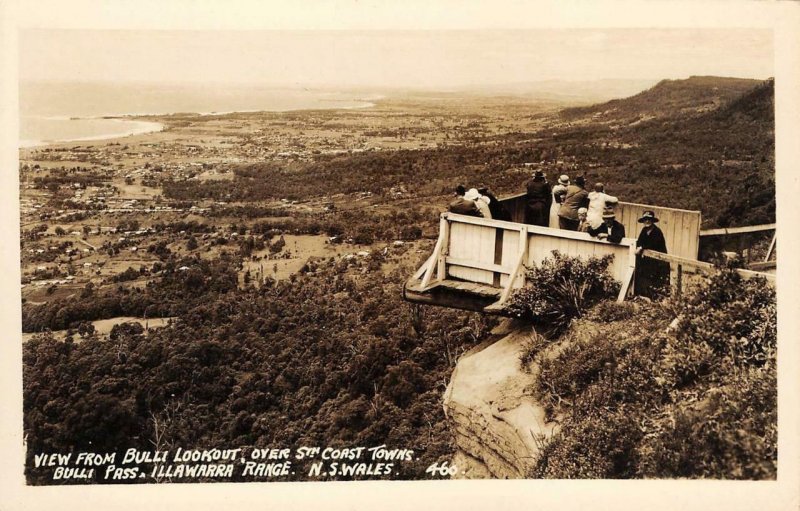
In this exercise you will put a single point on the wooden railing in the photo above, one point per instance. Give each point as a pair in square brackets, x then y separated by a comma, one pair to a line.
[744, 235]
[681, 264]
[738, 230]
[681, 227]
[494, 254]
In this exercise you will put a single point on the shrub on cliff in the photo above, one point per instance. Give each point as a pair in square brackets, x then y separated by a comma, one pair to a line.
[697, 399]
[561, 289]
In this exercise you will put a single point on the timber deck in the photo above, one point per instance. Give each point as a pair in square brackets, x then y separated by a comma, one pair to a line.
[455, 294]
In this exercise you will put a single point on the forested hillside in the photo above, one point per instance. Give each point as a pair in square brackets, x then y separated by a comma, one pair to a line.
[329, 359]
[720, 162]
[712, 151]
[668, 98]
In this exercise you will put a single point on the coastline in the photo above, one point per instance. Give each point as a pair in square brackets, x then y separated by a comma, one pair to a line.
[137, 127]
[140, 127]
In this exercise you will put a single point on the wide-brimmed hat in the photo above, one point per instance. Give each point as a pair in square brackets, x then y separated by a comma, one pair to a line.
[472, 194]
[563, 179]
[648, 215]
[538, 173]
[608, 213]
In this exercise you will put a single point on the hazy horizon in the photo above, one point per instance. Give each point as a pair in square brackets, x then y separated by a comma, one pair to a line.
[356, 87]
[416, 60]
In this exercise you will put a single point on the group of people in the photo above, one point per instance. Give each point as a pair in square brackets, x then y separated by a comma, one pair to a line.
[567, 205]
[570, 206]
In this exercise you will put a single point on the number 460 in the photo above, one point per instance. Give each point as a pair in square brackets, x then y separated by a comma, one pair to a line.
[442, 470]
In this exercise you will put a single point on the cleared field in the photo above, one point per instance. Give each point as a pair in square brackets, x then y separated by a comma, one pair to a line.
[300, 248]
[213, 175]
[103, 326]
[39, 294]
[136, 191]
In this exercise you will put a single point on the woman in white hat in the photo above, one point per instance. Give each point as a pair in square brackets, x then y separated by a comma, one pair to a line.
[559, 191]
[481, 201]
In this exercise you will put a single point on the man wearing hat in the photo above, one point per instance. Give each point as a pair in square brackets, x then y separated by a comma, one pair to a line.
[539, 198]
[610, 229]
[652, 275]
[577, 197]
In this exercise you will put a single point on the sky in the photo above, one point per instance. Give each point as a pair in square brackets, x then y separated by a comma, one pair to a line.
[438, 59]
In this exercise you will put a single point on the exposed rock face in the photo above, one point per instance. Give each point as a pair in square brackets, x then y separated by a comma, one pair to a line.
[497, 424]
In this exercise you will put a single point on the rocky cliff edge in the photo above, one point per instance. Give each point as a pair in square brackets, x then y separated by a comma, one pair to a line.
[498, 426]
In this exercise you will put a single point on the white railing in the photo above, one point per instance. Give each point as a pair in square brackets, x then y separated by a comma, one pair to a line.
[681, 227]
[495, 253]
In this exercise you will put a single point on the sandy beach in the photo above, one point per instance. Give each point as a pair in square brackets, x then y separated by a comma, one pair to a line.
[121, 128]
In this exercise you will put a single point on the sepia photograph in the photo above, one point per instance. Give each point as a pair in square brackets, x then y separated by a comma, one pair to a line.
[398, 254]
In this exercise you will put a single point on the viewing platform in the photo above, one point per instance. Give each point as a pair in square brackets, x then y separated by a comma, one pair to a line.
[477, 263]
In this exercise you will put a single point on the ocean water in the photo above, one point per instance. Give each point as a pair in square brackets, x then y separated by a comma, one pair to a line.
[72, 111]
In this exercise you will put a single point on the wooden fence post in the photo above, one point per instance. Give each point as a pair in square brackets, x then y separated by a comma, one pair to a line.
[435, 261]
[748, 241]
[441, 267]
[771, 247]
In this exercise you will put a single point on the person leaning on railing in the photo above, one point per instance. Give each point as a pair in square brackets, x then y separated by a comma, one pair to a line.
[539, 196]
[599, 200]
[499, 212]
[463, 206]
[652, 275]
[559, 192]
[481, 201]
[577, 197]
[610, 229]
